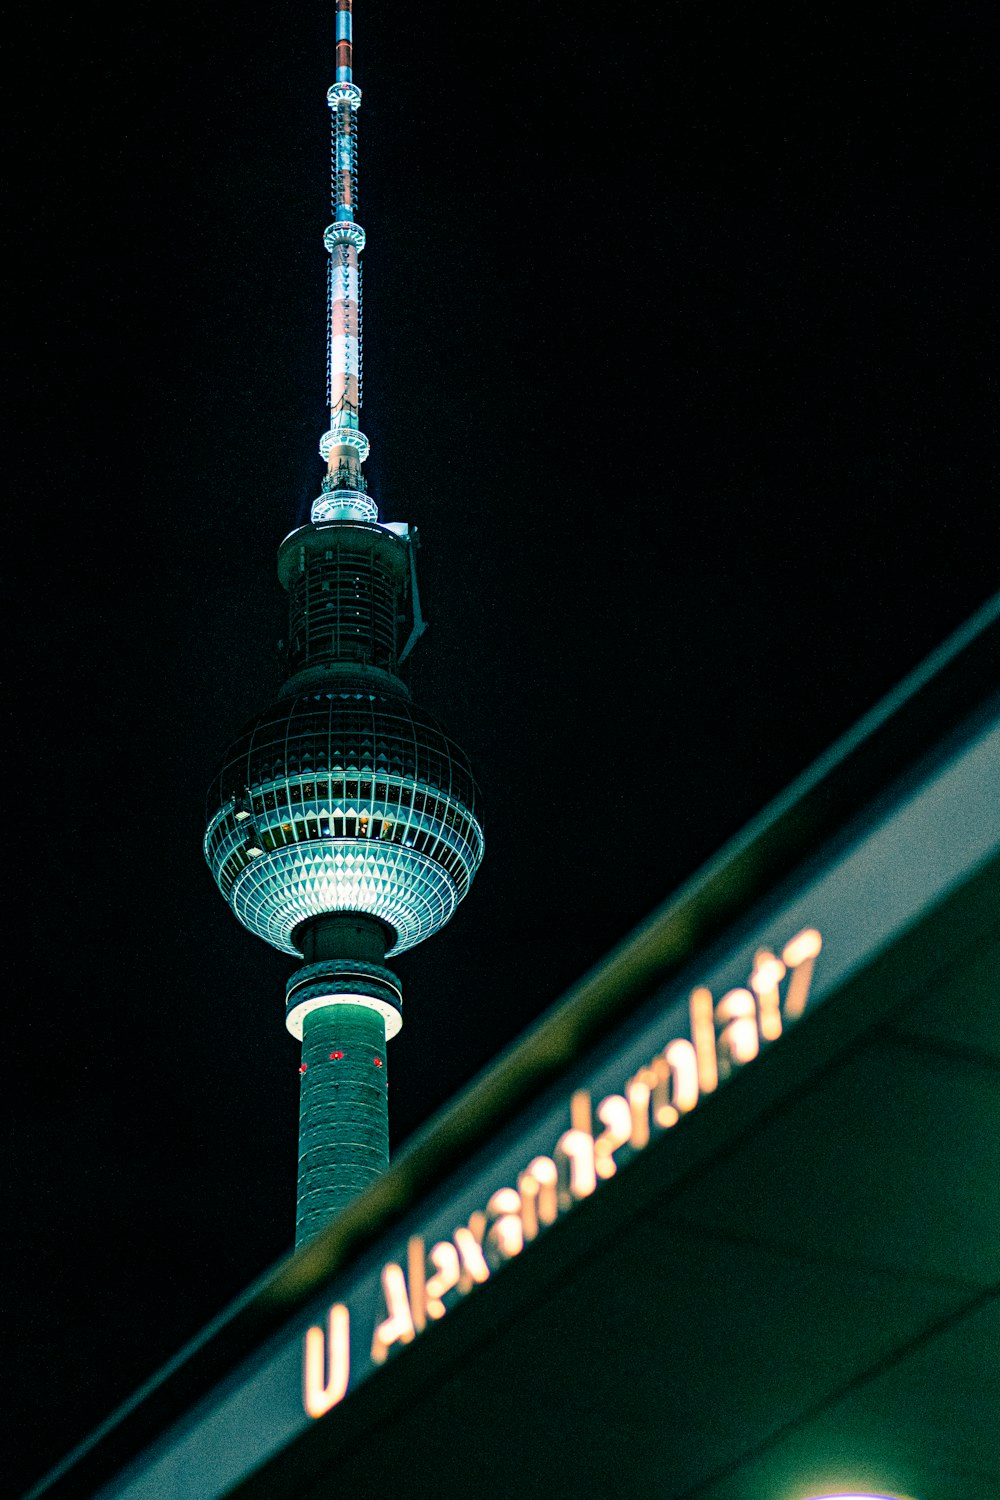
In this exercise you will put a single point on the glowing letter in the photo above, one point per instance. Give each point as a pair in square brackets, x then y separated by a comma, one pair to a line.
[664, 1113]
[738, 1040]
[800, 956]
[703, 1036]
[768, 972]
[417, 1273]
[474, 1267]
[319, 1394]
[682, 1062]
[506, 1235]
[614, 1112]
[445, 1257]
[638, 1092]
[398, 1326]
[579, 1112]
[575, 1157]
[538, 1185]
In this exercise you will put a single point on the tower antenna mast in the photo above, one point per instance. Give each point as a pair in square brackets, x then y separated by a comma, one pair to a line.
[344, 446]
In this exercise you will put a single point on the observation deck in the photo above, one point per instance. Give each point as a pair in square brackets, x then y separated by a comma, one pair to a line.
[344, 800]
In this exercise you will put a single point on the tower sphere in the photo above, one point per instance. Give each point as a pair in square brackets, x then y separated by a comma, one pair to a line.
[343, 799]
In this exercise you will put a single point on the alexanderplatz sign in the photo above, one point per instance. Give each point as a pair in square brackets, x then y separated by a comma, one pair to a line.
[673, 1042]
[583, 1143]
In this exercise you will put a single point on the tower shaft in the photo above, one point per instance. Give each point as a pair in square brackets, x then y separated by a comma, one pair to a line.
[343, 1113]
[339, 1004]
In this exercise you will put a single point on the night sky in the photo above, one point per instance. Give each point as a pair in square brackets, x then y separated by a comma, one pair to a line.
[676, 352]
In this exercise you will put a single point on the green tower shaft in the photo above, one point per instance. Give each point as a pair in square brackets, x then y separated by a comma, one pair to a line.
[344, 1111]
[343, 1004]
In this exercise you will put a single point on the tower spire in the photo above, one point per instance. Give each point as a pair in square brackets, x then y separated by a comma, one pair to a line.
[344, 446]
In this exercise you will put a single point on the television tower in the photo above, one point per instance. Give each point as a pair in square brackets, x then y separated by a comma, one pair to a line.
[343, 824]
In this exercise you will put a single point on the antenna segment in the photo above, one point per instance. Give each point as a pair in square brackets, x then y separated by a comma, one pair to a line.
[344, 447]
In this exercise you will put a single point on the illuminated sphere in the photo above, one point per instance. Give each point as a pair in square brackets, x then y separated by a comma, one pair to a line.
[343, 799]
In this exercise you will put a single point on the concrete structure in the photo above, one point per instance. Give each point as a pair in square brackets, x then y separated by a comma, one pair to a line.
[344, 824]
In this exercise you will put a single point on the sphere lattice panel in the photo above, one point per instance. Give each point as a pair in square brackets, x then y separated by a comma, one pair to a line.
[344, 801]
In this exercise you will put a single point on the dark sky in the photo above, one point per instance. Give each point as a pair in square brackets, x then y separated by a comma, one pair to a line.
[676, 351]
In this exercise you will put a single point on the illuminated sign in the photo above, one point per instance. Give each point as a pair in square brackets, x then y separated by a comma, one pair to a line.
[722, 1036]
